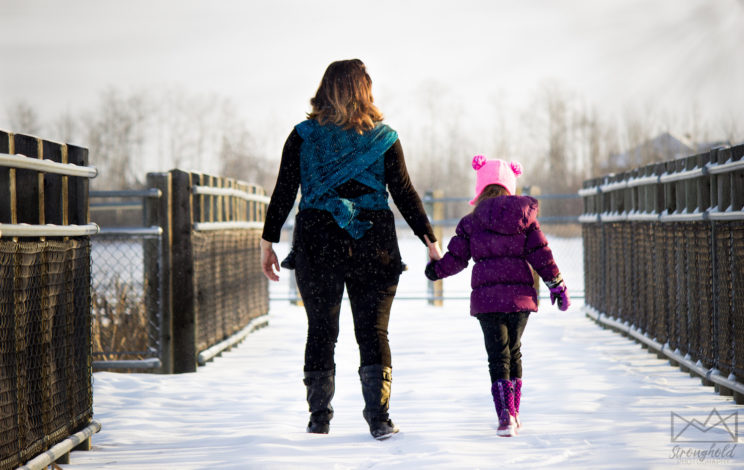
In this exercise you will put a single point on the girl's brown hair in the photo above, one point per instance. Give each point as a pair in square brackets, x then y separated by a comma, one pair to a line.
[492, 190]
[344, 97]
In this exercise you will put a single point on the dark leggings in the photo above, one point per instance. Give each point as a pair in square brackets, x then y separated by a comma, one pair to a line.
[502, 333]
[327, 261]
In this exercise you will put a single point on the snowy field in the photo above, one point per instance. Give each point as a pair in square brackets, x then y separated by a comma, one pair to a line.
[592, 398]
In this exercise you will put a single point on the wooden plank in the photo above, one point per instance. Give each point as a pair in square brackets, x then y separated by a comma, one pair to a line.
[65, 198]
[219, 200]
[704, 183]
[77, 187]
[27, 182]
[184, 318]
[208, 201]
[6, 175]
[198, 200]
[737, 180]
[254, 207]
[53, 185]
[230, 206]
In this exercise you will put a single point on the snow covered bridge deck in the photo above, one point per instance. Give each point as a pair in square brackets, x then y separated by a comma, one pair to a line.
[592, 399]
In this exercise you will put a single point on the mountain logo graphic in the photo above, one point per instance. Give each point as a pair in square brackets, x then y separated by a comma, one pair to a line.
[716, 428]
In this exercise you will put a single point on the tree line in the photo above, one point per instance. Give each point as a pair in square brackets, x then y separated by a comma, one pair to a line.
[559, 137]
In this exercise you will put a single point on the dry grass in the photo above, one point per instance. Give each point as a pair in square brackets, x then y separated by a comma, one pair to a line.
[120, 322]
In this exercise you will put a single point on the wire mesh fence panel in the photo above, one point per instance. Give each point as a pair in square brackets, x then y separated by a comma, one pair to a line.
[627, 289]
[45, 371]
[230, 288]
[9, 442]
[724, 295]
[679, 295]
[640, 278]
[593, 264]
[689, 292]
[125, 300]
[666, 303]
[702, 297]
[28, 297]
[737, 262]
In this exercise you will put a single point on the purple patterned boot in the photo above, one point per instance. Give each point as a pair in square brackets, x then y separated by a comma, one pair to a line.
[517, 387]
[503, 398]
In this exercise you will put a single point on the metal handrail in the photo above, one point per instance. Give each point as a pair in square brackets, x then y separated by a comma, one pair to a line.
[708, 169]
[155, 231]
[47, 230]
[234, 225]
[46, 166]
[212, 191]
[128, 193]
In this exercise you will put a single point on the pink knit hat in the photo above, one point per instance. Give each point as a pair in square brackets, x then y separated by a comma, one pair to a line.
[495, 172]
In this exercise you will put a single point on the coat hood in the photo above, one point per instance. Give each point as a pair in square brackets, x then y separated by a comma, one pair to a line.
[507, 214]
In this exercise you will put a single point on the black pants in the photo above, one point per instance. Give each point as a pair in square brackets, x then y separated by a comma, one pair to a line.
[329, 260]
[502, 333]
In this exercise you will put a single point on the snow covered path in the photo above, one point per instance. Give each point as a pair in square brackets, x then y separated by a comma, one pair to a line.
[592, 399]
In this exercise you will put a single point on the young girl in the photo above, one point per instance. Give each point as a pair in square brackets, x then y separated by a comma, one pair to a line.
[503, 237]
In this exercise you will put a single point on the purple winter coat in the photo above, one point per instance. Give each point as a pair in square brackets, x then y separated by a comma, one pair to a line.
[504, 239]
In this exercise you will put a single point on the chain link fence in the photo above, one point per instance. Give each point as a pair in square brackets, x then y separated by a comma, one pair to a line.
[125, 295]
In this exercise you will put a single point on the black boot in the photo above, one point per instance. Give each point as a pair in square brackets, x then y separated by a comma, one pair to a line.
[320, 388]
[376, 391]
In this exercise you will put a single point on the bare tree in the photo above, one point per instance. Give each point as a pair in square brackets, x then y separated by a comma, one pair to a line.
[23, 118]
[116, 133]
[241, 160]
[65, 128]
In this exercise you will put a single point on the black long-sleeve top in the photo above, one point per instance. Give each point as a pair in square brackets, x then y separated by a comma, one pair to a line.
[396, 178]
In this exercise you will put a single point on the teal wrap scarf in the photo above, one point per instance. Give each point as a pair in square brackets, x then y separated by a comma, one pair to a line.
[331, 156]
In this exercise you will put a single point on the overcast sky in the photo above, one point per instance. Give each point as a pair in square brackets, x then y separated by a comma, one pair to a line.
[269, 56]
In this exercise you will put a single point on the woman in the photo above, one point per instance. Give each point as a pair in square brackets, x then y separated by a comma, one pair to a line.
[344, 160]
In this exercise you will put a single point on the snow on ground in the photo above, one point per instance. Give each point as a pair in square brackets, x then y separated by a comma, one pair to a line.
[592, 398]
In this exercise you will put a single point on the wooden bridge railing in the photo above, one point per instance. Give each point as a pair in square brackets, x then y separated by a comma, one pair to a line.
[46, 403]
[214, 292]
[664, 260]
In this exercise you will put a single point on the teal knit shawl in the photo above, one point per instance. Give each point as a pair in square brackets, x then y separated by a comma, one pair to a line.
[331, 156]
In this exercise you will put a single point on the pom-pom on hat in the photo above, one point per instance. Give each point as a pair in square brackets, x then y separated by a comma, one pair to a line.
[495, 172]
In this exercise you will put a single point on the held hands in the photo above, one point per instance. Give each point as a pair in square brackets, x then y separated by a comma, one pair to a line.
[435, 253]
[269, 261]
[559, 293]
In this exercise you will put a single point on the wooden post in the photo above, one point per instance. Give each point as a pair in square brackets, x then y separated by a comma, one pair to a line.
[53, 185]
[28, 194]
[182, 275]
[7, 181]
[158, 213]
[435, 209]
[199, 202]
[77, 188]
[737, 182]
[691, 186]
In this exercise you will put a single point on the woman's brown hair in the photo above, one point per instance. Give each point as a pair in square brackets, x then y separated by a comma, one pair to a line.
[492, 190]
[344, 97]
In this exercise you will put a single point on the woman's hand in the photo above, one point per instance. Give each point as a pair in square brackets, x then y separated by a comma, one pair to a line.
[269, 261]
[435, 252]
